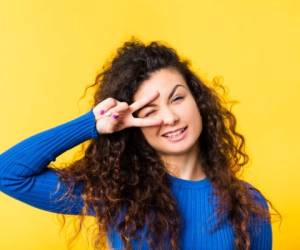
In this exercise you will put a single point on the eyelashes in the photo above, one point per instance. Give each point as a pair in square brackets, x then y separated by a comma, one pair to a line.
[149, 113]
[175, 99]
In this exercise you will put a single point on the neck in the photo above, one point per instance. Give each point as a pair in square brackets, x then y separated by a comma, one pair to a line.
[185, 166]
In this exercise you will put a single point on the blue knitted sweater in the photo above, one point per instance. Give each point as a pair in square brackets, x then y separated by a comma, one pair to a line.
[24, 175]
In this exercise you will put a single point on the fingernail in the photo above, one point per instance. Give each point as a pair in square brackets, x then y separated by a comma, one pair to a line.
[101, 111]
[115, 116]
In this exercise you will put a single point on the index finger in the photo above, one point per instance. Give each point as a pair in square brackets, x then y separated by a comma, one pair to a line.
[146, 122]
[143, 101]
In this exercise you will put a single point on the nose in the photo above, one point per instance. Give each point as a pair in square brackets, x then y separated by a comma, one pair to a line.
[169, 117]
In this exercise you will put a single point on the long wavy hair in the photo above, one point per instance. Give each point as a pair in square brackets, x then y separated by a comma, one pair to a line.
[121, 172]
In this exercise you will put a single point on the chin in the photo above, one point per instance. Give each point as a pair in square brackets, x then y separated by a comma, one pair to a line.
[175, 150]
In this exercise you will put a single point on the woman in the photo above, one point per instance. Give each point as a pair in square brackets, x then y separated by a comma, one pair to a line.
[160, 171]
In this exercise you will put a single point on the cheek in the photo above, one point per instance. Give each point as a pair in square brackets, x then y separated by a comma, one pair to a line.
[150, 133]
[190, 110]
[193, 115]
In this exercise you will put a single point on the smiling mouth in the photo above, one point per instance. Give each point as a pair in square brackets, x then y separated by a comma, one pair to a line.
[174, 135]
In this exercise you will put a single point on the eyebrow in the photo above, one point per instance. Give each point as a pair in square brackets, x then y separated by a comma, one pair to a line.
[170, 95]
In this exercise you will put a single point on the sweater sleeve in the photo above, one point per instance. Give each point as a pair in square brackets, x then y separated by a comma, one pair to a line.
[24, 171]
[260, 230]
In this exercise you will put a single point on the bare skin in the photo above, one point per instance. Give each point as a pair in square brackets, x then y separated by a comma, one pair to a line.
[121, 114]
[177, 107]
[112, 115]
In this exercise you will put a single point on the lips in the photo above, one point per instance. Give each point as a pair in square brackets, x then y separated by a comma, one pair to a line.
[174, 132]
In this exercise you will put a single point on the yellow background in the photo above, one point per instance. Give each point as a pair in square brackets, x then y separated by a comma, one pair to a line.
[51, 50]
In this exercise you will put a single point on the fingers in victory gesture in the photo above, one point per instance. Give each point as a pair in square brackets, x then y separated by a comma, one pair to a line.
[113, 115]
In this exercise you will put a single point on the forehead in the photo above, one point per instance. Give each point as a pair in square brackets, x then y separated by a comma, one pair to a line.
[162, 80]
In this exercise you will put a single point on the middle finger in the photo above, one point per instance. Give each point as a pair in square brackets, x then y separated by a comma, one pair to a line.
[143, 101]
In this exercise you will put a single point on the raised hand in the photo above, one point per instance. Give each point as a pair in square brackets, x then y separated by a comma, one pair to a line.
[112, 115]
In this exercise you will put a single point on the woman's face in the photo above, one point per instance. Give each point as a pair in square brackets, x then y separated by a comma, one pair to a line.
[176, 107]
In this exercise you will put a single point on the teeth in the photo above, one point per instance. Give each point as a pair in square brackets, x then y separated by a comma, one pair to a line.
[175, 134]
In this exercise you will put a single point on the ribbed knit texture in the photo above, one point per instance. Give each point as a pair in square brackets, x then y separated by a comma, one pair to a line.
[24, 175]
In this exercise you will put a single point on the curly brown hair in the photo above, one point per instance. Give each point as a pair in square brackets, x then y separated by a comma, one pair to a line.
[122, 172]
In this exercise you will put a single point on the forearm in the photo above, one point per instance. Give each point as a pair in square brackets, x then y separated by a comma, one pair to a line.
[30, 156]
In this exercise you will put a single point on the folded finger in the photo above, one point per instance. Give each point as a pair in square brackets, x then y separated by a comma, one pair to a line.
[106, 105]
[120, 107]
